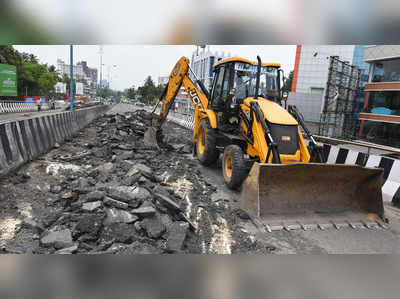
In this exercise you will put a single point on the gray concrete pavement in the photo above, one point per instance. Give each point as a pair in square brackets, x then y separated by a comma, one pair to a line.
[346, 240]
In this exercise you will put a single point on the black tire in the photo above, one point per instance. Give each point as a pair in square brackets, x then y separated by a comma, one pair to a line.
[206, 149]
[234, 167]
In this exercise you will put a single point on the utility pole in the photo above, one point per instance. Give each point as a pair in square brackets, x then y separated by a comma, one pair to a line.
[71, 84]
[101, 74]
[110, 77]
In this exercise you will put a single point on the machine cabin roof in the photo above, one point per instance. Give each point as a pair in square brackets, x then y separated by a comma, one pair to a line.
[240, 59]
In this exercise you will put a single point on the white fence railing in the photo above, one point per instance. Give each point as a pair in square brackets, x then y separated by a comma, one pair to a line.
[183, 119]
[12, 107]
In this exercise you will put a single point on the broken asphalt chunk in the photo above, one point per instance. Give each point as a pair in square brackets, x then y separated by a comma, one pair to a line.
[118, 232]
[91, 206]
[176, 236]
[95, 196]
[169, 203]
[108, 201]
[89, 224]
[58, 239]
[119, 216]
[144, 211]
[143, 169]
[134, 196]
[153, 226]
[68, 250]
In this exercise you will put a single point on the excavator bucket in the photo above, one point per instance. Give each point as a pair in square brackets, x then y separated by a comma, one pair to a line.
[150, 137]
[311, 195]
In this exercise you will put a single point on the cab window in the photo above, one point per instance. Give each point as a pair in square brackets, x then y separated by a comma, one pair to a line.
[226, 83]
[216, 97]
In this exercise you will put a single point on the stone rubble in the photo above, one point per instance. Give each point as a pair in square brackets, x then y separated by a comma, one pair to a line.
[120, 197]
[58, 239]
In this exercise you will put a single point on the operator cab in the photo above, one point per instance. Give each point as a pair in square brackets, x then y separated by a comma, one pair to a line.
[235, 80]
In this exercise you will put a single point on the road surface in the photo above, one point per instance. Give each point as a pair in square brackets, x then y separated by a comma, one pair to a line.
[345, 240]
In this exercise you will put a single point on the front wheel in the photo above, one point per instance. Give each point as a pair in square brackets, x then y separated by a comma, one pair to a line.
[206, 148]
[233, 166]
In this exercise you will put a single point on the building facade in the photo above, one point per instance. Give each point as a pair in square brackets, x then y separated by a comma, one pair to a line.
[82, 73]
[380, 119]
[310, 75]
[202, 64]
[312, 65]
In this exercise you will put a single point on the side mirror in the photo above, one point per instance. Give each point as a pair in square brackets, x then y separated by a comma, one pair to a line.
[285, 95]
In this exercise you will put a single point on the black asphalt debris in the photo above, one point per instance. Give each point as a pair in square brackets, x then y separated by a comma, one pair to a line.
[103, 191]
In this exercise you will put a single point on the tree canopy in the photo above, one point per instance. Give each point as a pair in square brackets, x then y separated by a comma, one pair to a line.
[147, 93]
[33, 77]
[288, 83]
[131, 93]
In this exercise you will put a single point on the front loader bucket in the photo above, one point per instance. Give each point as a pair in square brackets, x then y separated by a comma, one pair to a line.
[306, 195]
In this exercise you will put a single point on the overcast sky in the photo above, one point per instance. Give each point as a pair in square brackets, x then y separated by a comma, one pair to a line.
[135, 62]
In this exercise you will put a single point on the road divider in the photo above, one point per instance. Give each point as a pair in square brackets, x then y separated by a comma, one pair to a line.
[22, 141]
[391, 175]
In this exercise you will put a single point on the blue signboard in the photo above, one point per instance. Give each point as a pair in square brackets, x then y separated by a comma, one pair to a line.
[29, 99]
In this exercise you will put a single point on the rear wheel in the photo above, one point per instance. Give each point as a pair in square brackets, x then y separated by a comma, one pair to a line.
[206, 148]
[234, 166]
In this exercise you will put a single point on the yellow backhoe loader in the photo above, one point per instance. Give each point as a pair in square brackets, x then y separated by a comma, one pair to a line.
[264, 151]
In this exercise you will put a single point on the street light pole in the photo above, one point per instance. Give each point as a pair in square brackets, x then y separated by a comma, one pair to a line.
[71, 85]
[101, 74]
[110, 78]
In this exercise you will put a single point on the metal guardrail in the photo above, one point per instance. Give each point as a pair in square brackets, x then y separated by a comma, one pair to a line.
[14, 107]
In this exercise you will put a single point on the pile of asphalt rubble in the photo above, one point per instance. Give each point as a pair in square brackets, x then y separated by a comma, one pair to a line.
[115, 195]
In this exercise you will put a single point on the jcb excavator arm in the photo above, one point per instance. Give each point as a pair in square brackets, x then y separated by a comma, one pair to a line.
[198, 96]
[179, 76]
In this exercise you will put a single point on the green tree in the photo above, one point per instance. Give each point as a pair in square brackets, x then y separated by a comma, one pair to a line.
[46, 82]
[131, 93]
[8, 55]
[288, 83]
[30, 74]
[147, 91]
[36, 78]
[52, 69]
[159, 90]
[106, 92]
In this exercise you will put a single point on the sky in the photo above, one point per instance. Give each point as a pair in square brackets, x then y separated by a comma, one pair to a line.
[135, 62]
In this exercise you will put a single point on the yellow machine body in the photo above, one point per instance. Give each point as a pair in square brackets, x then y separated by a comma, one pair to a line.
[294, 191]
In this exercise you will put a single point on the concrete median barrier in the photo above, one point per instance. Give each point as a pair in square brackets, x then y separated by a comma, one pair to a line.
[23, 140]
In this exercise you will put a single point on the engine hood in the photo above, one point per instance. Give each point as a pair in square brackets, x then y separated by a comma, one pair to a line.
[273, 112]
